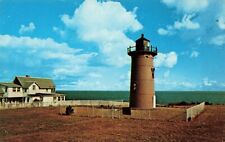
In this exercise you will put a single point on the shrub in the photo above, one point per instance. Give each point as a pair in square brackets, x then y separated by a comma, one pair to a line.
[69, 110]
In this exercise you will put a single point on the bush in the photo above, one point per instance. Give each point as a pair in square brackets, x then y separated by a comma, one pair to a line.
[69, 110]
[207, 103]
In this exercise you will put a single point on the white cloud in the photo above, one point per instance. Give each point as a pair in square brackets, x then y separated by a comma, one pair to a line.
[185, 23]
[166, 74]
[186, 84]
[167, 60]
[168, 84]
[94, 75]
[223, 84]
[218, 40]
[83, 84]
[168, 31]
[25, 29]
[98, 78]
[207, 82]
[221, 23]
[191, 54]
[39, 53]
[188, 6]
[220, 13]
[91, 84]
[105, 24]
[162, 31]
[9, 41]
[194, 54]
[206, 17]
[68, 67]
[168, 2]
[59, 31]
[199, 40]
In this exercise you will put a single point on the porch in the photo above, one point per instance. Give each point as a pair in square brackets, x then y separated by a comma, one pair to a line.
[13, 99]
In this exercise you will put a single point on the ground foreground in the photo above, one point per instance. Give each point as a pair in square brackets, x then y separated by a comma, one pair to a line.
[45, 125]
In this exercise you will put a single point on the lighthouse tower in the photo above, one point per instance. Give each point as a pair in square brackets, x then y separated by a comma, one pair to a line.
[142, 94]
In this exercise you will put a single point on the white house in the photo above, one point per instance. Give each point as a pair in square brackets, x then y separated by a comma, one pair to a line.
[29, 89]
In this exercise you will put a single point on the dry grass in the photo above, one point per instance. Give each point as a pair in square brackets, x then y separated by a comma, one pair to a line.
[44, 124]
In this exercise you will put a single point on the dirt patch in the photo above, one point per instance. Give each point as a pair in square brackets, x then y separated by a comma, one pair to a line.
[45, 124]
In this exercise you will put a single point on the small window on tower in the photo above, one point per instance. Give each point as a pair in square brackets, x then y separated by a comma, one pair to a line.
[34, 87]
[153, 72]
[134, 86]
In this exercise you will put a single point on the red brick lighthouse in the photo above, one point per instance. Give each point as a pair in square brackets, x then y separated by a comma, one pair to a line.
[142, 94]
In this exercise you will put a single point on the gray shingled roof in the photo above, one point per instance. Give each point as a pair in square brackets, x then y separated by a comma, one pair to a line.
[9, 84]
[1, 91]
[41, 82]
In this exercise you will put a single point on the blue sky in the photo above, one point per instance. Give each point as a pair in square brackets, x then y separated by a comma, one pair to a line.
[82, 45]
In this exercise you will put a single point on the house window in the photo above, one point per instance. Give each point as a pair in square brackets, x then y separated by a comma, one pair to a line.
[14, 89]
[18, 89]
[34, 87]
[58, 98]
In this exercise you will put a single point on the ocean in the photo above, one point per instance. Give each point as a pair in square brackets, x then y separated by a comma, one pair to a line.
[162, 97]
